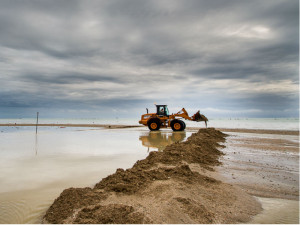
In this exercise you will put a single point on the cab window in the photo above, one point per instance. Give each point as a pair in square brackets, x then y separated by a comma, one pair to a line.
[166, 111]
[161, 110]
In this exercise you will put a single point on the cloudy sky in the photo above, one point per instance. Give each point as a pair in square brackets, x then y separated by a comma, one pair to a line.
[228, 58]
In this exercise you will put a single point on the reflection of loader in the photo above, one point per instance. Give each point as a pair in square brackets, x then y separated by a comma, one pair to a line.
[162, 118]
[160, 140]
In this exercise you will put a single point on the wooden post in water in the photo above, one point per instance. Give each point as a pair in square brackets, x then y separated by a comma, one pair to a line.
[37, 121]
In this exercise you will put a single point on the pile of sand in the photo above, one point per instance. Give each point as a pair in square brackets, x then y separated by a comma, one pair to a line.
[166, 187]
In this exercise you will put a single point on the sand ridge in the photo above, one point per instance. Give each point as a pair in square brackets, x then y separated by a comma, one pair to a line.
[167, 187]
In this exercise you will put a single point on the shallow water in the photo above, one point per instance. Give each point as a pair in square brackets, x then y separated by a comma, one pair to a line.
[36, 168]
[280, 211]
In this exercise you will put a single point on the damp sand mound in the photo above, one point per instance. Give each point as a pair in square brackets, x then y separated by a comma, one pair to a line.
[166, 187]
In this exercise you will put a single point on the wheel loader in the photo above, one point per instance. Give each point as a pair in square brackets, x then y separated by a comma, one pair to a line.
[162, 118]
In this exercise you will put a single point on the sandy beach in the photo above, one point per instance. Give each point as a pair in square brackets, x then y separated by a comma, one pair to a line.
[166, 187]
[215, 176]
[186, 183]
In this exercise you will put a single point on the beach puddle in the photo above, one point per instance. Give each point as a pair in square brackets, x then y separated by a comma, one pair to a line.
[35, 169]
[277, 211]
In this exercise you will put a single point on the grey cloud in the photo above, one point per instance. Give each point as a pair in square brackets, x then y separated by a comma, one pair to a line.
[70, 78]
[271, 101]
[276, 53]
[143, 48]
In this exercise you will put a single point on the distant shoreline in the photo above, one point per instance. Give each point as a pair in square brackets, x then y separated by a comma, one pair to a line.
[114, 126]
[111, 126]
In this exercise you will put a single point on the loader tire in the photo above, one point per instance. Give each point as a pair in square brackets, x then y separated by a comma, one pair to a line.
[183, 123]
[154, 124]
[177, 125]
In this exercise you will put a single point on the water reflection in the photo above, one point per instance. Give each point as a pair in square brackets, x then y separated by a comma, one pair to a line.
[36, 144]
[159, 140]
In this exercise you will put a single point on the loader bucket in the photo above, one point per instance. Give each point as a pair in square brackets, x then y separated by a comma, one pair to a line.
[199, 117]
[196, 117]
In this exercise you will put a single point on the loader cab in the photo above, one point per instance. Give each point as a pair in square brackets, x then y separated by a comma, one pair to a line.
[162, 110]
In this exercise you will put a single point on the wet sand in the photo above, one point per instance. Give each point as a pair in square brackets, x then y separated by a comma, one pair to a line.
[166, 187]
[262, 165]
[265, 164]
[261, 131]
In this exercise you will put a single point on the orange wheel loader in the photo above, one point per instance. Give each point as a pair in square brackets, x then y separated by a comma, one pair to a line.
[162, 118]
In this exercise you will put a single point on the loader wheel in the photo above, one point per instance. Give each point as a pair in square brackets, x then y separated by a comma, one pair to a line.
[183, 124]
[177, 125]
[154, 124]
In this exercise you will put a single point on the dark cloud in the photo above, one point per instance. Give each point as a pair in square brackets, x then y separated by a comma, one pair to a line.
[235, 54]
[70, 78]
